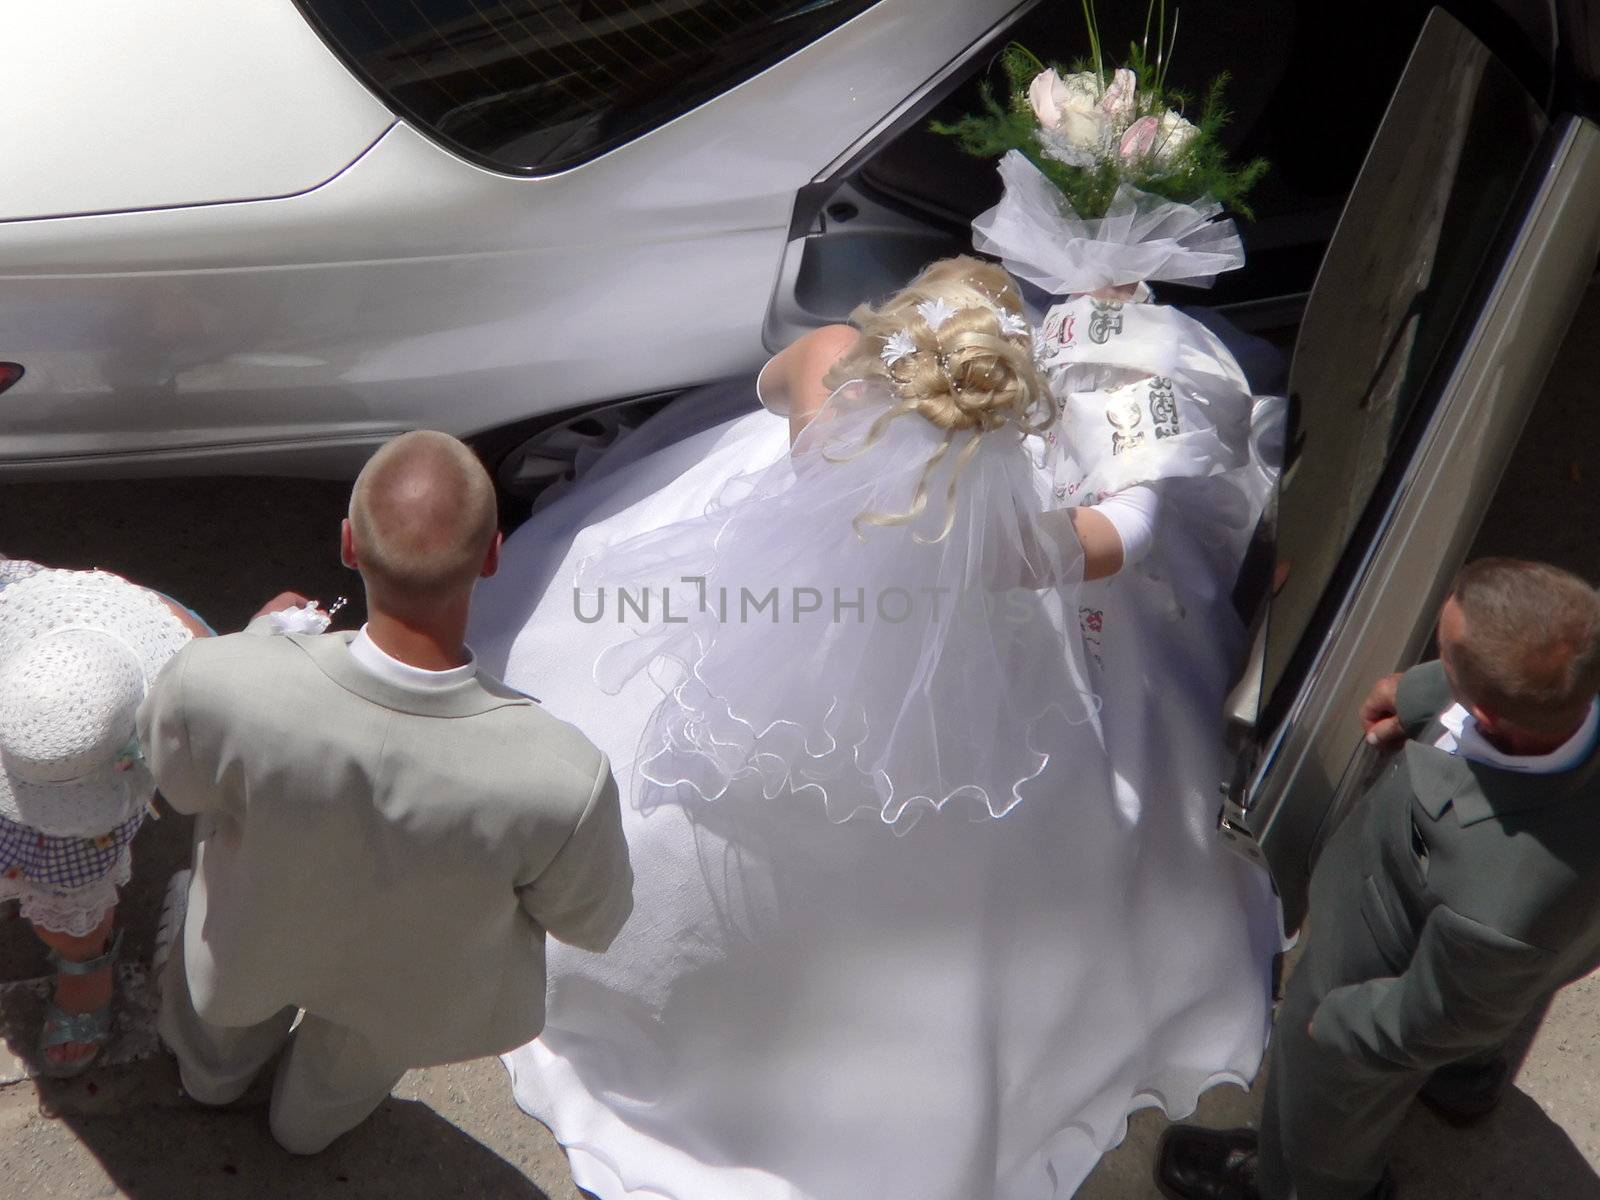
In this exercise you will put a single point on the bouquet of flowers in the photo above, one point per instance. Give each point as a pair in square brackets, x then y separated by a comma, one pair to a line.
[1092, 155]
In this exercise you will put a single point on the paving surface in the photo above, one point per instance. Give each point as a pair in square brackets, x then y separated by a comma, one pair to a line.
[224, 546]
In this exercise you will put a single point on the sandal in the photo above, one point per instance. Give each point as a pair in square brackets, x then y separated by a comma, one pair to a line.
[62, 1028]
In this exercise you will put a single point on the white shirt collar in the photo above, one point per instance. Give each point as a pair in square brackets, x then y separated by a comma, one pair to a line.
[1463, 737]
[386, 667]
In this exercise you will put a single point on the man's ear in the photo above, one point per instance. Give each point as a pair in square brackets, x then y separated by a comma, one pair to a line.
[1486, 720]
[491, 560]
[347, 546]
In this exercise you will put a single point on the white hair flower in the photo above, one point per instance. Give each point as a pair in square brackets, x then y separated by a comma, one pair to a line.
[896, 346]
[936, 312]
[1011, 324]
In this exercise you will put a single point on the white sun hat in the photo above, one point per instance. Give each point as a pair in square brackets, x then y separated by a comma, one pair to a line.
[78, 652]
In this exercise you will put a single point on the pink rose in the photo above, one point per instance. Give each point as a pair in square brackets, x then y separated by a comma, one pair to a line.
[1122, 97]
[1140, 138]
[1047, 94]
[1068, 105]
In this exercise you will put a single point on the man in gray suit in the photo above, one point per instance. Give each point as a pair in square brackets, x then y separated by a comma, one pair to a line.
[1462, 890]
[385, 834]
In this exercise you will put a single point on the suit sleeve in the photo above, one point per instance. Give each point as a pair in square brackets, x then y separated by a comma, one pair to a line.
[1467, 986]
[164, 738]
[1423, 694]
[586, 893]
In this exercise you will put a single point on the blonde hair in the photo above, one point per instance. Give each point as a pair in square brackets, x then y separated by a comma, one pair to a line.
[423, 516]
[968, 374]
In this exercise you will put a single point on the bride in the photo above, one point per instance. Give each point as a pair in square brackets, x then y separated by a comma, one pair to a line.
[919, 759]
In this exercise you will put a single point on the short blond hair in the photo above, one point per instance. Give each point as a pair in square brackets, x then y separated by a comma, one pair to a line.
[1530, 650]
[422, 516]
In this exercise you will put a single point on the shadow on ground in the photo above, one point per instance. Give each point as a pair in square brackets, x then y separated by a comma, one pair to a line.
[1516, 1153]
[177, 1151]
[221, 546]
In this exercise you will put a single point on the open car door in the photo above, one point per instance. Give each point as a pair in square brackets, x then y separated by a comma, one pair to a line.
[1449, 285]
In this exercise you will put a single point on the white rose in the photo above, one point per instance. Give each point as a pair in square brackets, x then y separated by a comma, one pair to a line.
[1172, 136]
[1084, 86]
[1069, 106]
[1084, 128]
[1121, 100]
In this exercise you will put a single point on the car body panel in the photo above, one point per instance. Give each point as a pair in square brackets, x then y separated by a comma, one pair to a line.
[116, 107]
[416, 289]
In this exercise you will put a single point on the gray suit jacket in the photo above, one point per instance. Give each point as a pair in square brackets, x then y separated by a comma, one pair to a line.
[1476, 888]
[388, 860]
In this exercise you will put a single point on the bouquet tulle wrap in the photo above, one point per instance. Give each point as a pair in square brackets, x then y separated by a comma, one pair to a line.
[1142, 238]
[869, 667]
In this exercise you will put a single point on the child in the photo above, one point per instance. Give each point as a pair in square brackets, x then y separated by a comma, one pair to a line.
[78, 650]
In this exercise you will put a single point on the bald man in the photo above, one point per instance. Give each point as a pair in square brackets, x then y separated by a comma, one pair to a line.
[385, 834]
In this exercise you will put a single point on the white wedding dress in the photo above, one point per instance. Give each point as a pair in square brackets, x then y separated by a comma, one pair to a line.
[809, 1009]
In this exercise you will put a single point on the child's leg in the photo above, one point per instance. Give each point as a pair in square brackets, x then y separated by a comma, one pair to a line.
[330, 1081]
[79, 993]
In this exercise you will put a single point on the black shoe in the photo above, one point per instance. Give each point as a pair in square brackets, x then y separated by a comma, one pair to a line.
[1463, 1095]
[1207, 1164]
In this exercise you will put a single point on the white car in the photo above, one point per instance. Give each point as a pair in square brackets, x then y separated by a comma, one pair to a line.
[251, 236]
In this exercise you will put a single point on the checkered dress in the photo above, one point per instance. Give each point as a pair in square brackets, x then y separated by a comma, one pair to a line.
[61, 863]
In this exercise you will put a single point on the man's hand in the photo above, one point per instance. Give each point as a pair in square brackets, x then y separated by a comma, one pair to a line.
[1379, 714]
[281, 601]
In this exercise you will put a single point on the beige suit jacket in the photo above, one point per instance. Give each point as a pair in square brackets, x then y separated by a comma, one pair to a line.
[387, 859]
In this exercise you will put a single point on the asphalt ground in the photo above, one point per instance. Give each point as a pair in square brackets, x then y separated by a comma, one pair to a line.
[225, 545]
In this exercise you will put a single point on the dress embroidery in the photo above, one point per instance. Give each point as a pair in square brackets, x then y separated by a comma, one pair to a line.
[1125, 418]
[1092, 622]
[1163, 407]
[1060, 328]
[1106, 321]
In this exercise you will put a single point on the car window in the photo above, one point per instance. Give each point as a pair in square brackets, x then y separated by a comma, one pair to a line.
[536, 86]
[1396, 286]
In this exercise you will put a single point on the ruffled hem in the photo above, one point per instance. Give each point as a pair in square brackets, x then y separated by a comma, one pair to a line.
[76, 911]
[1063, 1165]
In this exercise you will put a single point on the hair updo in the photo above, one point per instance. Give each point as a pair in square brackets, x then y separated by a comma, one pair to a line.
[970, 370]
[969, 373]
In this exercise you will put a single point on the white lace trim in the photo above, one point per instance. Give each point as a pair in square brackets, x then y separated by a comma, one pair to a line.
[76, 911]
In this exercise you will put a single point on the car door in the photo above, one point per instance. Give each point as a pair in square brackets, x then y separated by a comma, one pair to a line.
[1449, 284]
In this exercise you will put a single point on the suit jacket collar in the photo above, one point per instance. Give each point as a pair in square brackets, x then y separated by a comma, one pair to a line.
[330, 653]
[1479, 791]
